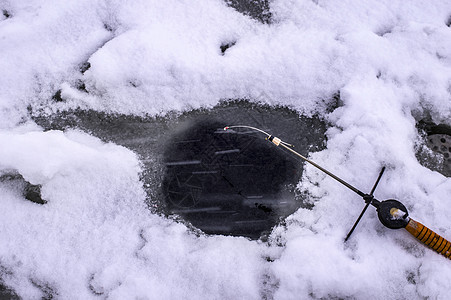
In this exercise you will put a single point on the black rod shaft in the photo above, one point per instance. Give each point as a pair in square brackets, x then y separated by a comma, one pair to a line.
[360, 193]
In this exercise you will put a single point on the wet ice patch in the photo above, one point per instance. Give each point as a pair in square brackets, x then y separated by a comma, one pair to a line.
[221, 182]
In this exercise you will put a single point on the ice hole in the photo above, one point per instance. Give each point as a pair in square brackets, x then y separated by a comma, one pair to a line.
[228, 183]
[235, 182]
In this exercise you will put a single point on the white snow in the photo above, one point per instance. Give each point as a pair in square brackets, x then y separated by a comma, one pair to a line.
[391, 61]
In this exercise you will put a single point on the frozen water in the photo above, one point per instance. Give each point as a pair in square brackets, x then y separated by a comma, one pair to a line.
[391, 62]
[434, 149]
[242, 190]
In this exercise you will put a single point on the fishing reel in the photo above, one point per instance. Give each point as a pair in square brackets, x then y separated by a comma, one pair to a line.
[393, 214]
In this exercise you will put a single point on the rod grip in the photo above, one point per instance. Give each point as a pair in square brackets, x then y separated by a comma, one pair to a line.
[429, 238]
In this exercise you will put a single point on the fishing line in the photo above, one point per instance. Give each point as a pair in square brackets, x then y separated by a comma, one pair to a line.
[391, 213]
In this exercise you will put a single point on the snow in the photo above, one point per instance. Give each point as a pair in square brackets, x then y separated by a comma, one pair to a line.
[391, 62]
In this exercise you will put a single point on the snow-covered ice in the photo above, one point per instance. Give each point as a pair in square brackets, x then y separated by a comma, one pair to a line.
[390, 60]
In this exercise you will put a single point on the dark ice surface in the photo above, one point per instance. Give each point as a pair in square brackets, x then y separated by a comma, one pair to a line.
[257, 9]
[434, 151]
[223, 182]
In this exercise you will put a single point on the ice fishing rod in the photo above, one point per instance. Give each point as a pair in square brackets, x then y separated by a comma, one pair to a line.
[391, 213]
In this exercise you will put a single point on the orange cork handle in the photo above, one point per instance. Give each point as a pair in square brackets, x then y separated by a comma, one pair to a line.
[429, 238]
